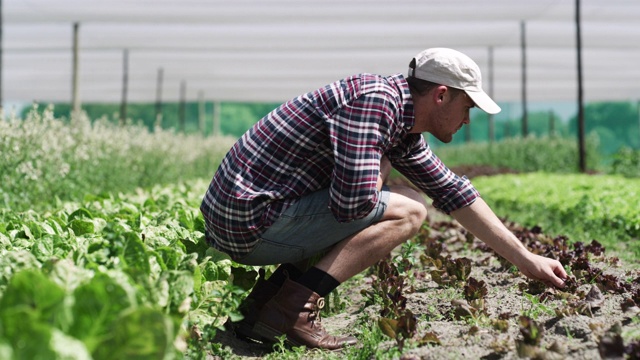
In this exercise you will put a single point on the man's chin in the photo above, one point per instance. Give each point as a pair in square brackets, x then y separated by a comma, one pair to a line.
[445, 140]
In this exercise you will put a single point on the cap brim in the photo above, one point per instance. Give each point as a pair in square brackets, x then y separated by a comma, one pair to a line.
[484, 102]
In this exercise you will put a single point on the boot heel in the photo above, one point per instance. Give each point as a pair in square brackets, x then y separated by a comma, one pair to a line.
[266, 332]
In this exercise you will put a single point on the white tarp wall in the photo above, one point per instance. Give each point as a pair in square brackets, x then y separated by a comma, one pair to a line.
[259, 50]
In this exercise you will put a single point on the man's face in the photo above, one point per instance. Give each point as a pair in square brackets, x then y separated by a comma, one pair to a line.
[452, 113]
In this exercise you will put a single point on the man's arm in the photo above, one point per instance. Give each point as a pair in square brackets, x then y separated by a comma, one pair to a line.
[480, 220]
[385, 170]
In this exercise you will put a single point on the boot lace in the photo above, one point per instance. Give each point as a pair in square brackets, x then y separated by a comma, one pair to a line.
[315, 313]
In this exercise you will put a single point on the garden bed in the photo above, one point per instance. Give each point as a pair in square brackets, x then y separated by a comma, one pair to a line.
[597, 314]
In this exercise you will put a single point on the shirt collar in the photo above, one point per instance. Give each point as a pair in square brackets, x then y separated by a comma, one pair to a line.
[408, 119]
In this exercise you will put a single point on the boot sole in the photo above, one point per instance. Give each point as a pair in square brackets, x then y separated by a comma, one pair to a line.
[245, 332]
[272, 335]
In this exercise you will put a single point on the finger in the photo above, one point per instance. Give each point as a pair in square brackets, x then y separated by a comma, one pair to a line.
[557, 281]
[560, 272]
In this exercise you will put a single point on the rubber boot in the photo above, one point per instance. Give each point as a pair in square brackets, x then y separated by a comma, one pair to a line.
[295, 312]
[251, 306]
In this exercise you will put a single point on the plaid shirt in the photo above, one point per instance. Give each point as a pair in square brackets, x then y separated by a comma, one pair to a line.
[333, 138]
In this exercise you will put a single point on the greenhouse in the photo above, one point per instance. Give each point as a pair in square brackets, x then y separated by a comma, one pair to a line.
[179, 181]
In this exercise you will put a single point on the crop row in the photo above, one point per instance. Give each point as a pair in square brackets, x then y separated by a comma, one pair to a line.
[113, 278]
[546, 153]
[130, 276]
[45, 159]
[584, 207]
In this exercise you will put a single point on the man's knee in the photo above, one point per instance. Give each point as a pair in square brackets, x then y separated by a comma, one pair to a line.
[418, 214]
[410, 205]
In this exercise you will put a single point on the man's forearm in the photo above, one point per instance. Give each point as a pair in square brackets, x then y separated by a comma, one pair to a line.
[479, 219]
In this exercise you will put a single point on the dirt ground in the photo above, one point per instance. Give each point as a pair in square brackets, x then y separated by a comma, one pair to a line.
[568, 332]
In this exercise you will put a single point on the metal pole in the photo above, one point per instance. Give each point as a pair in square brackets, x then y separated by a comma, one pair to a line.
[159, 98]
[552, 124]
[638, 109]
[492, 136]
[125, 83]
[523, 37]
[75, 101]
[581, 146]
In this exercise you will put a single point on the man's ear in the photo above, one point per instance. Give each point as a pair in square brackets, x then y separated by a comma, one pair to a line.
[439, 93]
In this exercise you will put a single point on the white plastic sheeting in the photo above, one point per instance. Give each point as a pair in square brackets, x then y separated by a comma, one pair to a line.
[261, 50]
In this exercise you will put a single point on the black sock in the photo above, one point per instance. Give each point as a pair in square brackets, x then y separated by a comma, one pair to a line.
[318, 281]
[282, 272]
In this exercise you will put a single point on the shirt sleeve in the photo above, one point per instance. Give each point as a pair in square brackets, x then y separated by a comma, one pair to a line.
[357, 134]
[417, 162]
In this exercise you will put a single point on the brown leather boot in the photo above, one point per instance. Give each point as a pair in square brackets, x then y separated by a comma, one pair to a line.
[295, 311]
[250, 307]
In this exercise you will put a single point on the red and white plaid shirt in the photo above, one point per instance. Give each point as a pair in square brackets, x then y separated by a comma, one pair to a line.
[333, 138]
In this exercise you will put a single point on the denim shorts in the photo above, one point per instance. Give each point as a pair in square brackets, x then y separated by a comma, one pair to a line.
[307, 228]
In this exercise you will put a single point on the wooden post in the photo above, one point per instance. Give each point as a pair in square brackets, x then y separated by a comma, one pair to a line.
[183, 95]
[201, 111]
[75, 101]
[216, 118]
[523, 37]
[159, 98]
[582, 163]
[125, 84]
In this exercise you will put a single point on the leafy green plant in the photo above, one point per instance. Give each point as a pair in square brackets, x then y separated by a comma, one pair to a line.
[474, 289]
[536, 307]
[388, 287]
[114, 276]
[532, 335]
[626, 162]
[450, 272]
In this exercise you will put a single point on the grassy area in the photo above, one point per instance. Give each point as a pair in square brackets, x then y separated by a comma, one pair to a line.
[583, 207]
[551, 154]
[44, 159]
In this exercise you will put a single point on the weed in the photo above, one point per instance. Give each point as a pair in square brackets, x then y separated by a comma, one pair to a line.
[536, 308]
[282, 351]
[335, 303]
[370, 340]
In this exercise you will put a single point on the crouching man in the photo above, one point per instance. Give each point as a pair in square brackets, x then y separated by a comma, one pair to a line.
[308, 181]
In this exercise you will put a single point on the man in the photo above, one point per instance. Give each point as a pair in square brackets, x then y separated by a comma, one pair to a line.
[308, 180]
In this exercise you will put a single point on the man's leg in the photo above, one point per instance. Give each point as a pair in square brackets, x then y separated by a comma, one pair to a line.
[402, 220]
[294, 310]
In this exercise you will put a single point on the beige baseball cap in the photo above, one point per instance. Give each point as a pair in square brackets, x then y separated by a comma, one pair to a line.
[452, 68]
